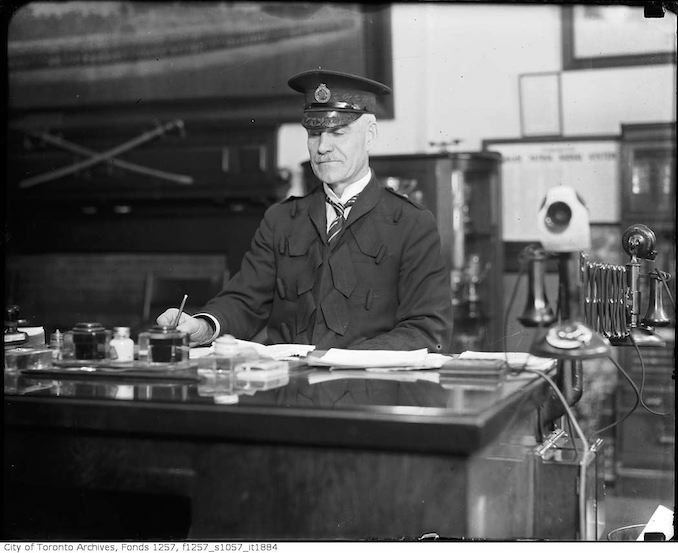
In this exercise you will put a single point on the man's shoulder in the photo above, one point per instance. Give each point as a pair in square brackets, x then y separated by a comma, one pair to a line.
[288, 210]
[291, 205]
[304, 197]
[398, 198]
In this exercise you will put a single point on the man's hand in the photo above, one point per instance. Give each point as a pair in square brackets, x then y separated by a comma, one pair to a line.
[198, 330]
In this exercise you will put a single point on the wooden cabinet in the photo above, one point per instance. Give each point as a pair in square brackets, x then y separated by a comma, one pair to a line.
[649, 174]
[646, 443]
[463, 191]
[646, 439]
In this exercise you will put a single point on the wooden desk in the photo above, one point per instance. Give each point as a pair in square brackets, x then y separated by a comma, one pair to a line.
[354, 458]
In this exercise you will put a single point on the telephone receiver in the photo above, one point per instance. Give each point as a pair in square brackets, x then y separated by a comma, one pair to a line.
[537, 310]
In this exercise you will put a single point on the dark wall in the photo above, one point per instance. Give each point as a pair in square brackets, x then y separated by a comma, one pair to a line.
[80, 244]
[57, 290]
[170, 114]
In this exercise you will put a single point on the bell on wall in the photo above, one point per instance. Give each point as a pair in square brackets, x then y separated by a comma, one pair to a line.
[537, 310]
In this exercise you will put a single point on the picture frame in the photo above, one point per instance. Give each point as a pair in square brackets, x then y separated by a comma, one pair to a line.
[540, 104]
[235, 57]
[597, 36]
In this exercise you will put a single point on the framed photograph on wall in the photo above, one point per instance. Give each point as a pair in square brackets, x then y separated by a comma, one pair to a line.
[236, 56]
[596, 36]
[540, 104]
[530, 167]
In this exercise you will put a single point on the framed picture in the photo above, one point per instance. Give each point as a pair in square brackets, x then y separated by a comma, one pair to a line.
[236, 56]
[540, 104]
[530, 167]
[596, 36]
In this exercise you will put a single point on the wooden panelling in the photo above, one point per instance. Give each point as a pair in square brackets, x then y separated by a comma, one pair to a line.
[59, 290]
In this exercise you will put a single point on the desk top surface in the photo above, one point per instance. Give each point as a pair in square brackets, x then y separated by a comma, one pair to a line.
[425, 409]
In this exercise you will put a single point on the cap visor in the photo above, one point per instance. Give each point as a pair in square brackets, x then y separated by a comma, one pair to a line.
[315, 120]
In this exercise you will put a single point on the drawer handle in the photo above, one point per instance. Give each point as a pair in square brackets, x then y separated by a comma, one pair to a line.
[667, 440]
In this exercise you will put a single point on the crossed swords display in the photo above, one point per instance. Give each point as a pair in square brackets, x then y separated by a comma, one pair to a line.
[108, 156]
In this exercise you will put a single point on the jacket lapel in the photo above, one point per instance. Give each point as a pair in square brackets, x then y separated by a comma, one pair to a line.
[368, 198]
[317, 213]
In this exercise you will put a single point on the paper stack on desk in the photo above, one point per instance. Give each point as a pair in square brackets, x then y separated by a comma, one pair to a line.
[377, 359]
[279, 352]
[373, 374]
[514, 359]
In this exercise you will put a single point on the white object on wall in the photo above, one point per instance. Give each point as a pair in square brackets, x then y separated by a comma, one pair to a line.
[563, 221]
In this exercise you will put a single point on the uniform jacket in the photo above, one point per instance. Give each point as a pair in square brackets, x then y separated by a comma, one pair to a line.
[380, 285]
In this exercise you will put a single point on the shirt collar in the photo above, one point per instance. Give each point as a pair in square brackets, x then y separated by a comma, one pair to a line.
[351, 190]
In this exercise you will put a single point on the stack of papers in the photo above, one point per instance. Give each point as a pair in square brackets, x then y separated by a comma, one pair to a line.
[378, 359]
[198, 352]
[279, 352]
[372, 374]
[516, 360]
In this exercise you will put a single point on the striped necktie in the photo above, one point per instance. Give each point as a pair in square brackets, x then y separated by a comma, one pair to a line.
[338, 224]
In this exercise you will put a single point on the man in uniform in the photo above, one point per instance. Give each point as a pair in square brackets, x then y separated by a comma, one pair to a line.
[352, 264]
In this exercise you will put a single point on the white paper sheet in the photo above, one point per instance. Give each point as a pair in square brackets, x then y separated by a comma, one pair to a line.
[372, 374]
[278, 351]
[389, 360]
[661, 521]
[201, 351]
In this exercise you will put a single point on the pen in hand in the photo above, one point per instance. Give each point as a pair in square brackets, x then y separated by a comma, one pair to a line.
[181, 310]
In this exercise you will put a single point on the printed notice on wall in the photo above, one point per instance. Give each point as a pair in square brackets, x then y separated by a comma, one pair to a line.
[530, 169]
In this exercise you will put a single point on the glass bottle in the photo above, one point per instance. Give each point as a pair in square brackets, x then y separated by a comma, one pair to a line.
[218, 369]
[56, 344]
[470, 323]
[121, 347]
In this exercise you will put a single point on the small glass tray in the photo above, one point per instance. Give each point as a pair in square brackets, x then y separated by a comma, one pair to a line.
[72, 368]
[118, 365]
[183, 375]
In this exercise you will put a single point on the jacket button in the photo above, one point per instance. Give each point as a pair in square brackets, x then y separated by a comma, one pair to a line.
[380, 254]
[368, 299]
[280, 285]
[285, 331]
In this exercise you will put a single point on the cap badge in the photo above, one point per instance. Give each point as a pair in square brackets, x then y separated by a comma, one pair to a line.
[322, 93]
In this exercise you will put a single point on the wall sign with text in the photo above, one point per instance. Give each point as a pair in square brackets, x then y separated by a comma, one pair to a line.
[531, 167]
